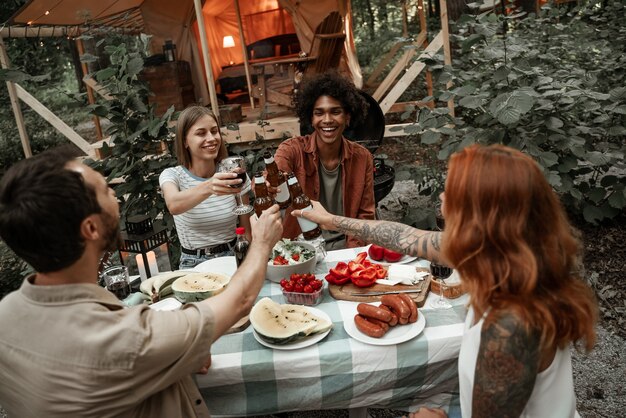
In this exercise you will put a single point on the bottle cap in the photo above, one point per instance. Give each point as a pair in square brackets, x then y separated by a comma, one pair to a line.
[240, 230]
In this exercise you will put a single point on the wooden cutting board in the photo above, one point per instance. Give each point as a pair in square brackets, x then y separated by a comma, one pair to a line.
[342, 292]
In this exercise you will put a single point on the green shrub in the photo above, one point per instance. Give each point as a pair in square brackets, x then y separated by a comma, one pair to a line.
[551, 86]
[13, 270]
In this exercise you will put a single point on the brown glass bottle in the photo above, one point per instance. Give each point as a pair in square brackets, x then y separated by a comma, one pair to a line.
[276, 179]
[262, 198]
[310, 230]
[241, 246]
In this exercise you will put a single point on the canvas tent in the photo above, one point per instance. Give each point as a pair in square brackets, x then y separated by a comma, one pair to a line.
[176, 20]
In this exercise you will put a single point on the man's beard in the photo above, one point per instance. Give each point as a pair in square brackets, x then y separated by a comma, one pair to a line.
[113, 236]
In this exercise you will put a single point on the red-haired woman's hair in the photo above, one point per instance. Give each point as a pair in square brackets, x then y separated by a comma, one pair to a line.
[508, 236]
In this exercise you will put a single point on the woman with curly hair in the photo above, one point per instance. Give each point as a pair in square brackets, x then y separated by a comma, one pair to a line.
[329, 167]
[518, 258]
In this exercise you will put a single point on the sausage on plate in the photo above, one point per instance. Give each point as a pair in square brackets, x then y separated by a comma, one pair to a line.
[368, 328]
[371, 311]
[412, 306]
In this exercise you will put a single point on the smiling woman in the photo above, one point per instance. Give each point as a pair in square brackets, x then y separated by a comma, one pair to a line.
[201, 199]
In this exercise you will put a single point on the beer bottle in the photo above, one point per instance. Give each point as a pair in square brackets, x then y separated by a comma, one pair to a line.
[277, 179]
[262, 198]
[241, 245]
[310, 230]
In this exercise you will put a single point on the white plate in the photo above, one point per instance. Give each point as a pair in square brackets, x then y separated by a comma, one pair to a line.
[395, 335]
[405, 259]
[225, 265]
[305, 342]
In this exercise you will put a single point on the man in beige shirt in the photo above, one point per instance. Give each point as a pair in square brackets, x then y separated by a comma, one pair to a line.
[69, 348]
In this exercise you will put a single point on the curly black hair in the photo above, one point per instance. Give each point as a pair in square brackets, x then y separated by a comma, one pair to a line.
[332, 84]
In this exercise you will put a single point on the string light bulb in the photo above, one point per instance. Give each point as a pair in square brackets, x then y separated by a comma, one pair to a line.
[47, 12]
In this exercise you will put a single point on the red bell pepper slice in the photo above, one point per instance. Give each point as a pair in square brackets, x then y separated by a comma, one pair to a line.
[354, 266]
[340, 270]
[360, 282]
[360, 257]
[381, 273]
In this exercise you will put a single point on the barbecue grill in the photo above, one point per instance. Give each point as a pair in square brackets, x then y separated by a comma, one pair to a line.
[369, 134]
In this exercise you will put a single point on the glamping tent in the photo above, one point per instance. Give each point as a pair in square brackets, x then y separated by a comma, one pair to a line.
[225, 23]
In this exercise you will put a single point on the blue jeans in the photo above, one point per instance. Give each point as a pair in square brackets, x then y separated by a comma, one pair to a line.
[188, 261]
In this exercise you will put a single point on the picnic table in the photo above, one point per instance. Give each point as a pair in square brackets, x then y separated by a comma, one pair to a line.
[246, 378]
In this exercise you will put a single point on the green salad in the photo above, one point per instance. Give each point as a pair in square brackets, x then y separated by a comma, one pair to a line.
[287, 252]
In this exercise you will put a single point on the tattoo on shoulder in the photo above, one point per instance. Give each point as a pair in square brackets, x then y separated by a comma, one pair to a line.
[506, 368]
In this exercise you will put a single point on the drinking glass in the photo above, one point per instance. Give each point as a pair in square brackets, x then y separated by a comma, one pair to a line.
[117, 281]
[440, 272]
[236, 165]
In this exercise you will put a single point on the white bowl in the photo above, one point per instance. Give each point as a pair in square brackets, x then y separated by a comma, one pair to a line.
[276, 273]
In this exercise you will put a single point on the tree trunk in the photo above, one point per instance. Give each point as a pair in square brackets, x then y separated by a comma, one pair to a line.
[370, 14]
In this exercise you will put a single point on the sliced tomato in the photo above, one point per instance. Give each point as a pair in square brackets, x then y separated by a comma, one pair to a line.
[295, 257]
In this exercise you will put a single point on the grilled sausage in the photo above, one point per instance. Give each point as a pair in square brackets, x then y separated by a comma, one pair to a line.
[383, 325]
[398, 306]
[368, 328]
[394, 317]
[412, 307]
[371, 311]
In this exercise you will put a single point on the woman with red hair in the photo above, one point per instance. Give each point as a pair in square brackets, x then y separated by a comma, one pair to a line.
[519, 259]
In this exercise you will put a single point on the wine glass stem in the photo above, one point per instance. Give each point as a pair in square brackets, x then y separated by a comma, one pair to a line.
[238, 199]
[441, 292]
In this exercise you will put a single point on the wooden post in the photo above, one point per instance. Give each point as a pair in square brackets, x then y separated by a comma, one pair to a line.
[429, 77]
[90, 96]
[53, 119]
[207, 59]
[447, 56]
[15, 103]
[244, 50]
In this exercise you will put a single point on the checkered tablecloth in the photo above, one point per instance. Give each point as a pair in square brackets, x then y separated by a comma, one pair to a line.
[247, 378]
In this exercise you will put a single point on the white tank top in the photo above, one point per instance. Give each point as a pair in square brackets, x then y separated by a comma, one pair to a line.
[553, 395]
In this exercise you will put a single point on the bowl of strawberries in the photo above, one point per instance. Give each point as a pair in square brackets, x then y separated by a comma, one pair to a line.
[302, 289]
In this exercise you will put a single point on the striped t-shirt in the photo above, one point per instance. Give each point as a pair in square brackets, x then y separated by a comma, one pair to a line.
[211, 222]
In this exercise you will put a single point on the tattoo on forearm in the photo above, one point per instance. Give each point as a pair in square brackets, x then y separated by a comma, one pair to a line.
[506, 368]
[393, 235]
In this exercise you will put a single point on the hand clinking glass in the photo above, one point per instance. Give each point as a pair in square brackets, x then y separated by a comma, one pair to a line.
[236, 165]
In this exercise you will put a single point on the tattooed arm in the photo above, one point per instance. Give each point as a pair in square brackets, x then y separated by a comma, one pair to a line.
[392, 235]
[506, 368]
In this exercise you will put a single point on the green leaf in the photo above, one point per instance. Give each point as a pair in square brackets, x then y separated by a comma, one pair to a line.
[567, 164]
[618, 93]
[617, 130]
[597, 194]
[554, 179]
[135, 66]
[501, 73]
[105, 74]
[608, 181]
[592, 214]
[548, 159]
[430, 137]
[620, 109]
[617, 200]
[597, 158]
[554, 123]
[471, 102]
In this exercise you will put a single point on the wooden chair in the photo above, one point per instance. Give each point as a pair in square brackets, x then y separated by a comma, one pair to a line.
[327, 45]
[325, 53]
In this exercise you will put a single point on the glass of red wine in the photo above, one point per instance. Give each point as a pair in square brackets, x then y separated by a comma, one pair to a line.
[236, 165]
[116, 281]
[440, 272]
